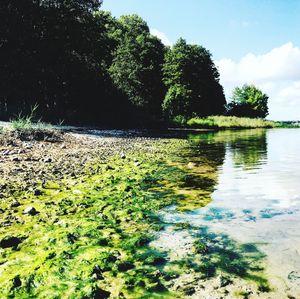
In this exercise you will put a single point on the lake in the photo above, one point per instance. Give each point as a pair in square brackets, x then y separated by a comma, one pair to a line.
[255, 203]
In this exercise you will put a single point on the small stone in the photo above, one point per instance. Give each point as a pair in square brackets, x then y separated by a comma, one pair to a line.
[189, 291]
[103, 242]
[27, 145]
[101, 294]
[97, 273]
[37, 192]
[15, 159]
[157, 273]
[125, 266]
[224, 281]
[47, 160]
[191, 165]
[294, 275]
[15, 204]
[127, 188]
[77, 192]
[61, 223]
[108, 167]
[123, 156]
[30, 211]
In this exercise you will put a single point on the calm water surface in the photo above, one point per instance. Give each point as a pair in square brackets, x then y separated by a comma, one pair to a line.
[256, 198]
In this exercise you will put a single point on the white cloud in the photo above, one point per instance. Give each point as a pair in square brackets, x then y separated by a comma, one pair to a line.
[162, 36]
[277, 73]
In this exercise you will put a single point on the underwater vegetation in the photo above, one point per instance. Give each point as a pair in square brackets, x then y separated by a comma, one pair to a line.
[88, 236]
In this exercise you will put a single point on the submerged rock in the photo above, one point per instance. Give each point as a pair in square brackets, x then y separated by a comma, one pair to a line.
[10, 241]
[125, 266]
[97, 272]
[17, 282]
[37, 192]
[294, 275]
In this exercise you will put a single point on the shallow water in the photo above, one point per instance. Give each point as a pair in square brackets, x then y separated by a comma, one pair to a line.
[256, 198]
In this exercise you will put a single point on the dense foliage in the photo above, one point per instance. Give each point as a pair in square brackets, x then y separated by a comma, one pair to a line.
[81, 65]
[51, 55]
[137, 63]
[193, 82]
[248, 101]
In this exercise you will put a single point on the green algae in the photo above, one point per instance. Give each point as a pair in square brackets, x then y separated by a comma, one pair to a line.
[90, 234]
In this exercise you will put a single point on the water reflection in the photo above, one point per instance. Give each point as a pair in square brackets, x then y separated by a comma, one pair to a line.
[248, 148]
[201, 162]
[255, 197]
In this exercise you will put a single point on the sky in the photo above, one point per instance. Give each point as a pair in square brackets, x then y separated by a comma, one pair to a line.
[251, 41]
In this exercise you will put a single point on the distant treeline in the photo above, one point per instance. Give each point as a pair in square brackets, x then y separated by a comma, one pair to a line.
[81, 65]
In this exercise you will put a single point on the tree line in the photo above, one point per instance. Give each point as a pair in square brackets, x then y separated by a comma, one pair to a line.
[79, 64]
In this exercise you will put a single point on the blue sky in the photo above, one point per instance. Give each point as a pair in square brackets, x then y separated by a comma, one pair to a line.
[243, 36]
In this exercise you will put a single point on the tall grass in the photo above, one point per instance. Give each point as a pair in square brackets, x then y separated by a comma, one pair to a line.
[227, 122]
[27, 122]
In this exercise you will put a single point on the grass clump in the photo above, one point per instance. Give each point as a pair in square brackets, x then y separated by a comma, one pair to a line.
[26, 128]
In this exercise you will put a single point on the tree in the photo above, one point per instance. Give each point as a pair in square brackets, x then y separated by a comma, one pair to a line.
[192, 81]
[52, 52]
[248, 101]
[136, 68]
[177, 101]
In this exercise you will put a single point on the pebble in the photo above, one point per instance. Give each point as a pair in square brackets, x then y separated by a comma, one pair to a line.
[37, 192]
[15, 159]
[15, 204]
[47, 160]
[30, 211]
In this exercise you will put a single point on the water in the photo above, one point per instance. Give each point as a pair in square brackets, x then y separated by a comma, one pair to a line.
[256, 199]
